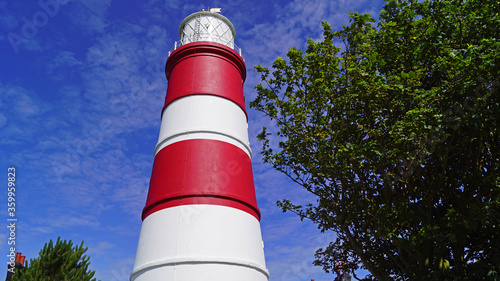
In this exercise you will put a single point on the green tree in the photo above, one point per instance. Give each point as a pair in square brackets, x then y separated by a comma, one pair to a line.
[58, 262]
[396, 135]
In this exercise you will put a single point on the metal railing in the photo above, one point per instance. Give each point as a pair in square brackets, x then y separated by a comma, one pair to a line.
[179, 43]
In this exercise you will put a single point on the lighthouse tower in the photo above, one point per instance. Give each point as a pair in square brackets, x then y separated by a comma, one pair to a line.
[201, 220]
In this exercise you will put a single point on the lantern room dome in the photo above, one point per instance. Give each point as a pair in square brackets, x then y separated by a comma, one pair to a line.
[207, 26]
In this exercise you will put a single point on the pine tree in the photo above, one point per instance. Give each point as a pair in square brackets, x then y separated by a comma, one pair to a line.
[57, 262]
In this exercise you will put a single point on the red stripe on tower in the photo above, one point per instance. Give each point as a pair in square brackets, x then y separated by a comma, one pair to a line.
[201, 171]
[225, 78]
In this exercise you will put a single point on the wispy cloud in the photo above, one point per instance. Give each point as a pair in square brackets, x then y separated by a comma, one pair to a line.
[90, 15]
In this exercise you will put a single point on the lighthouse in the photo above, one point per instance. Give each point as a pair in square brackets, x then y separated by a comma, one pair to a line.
[201, 220]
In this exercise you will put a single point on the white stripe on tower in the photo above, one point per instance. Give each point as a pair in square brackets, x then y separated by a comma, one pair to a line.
[204, 117]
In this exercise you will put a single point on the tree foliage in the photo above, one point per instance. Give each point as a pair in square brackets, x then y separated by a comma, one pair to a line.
[57, 262]
[394, 126]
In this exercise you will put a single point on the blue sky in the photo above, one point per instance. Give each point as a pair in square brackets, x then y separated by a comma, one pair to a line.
[82, 86]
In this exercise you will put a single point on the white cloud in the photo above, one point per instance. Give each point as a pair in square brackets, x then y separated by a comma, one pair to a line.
[57, 220]
[89, 15]
[297, 241]
[63, 60]
[3, 120]
[19, 102]
[8, 21]
[42, 229]
[119, 270]
[102, 248]
[22, 111]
